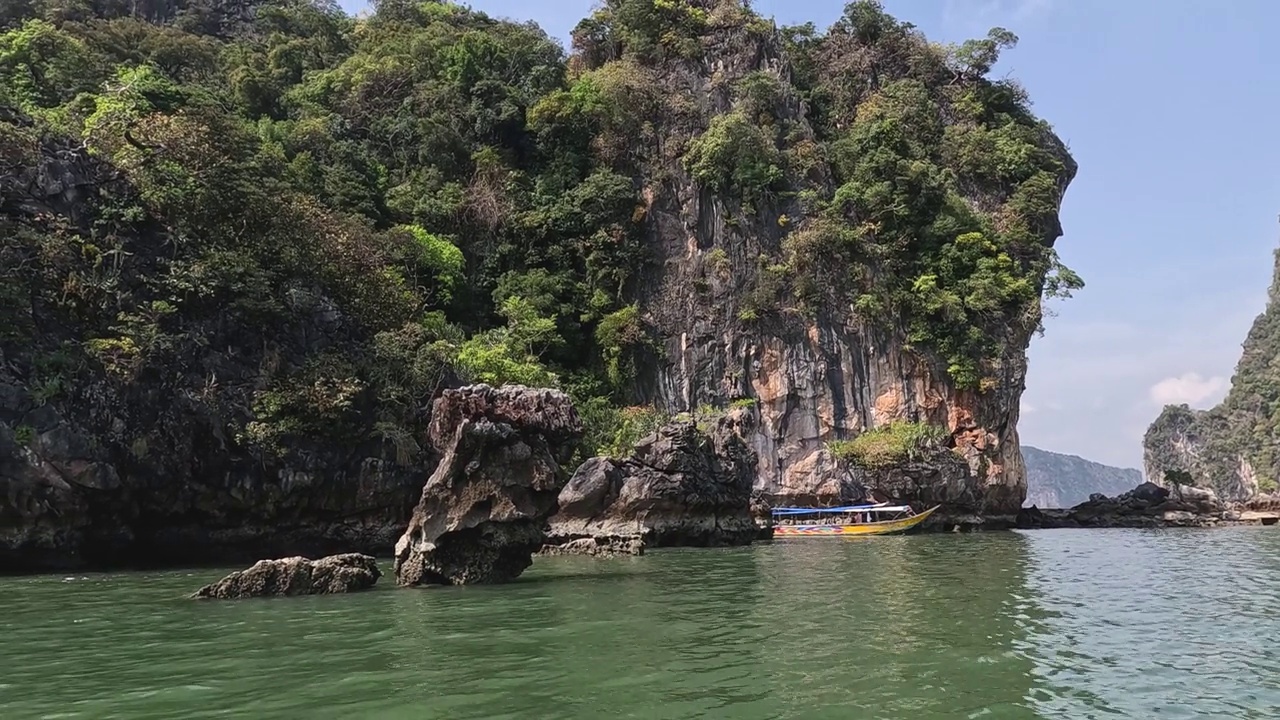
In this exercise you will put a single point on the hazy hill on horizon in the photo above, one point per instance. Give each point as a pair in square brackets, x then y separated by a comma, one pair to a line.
[1056, 480]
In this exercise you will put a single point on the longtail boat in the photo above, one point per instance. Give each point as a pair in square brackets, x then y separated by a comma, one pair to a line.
[880, 519]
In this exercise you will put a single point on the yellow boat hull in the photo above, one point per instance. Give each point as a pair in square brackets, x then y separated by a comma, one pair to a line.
[883, 527]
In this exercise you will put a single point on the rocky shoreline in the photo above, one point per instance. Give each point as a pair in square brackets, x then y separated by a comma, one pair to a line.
[502, 493]
[1146, 506]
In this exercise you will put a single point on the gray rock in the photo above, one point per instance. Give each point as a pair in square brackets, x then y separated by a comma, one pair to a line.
[345, 573]
[483, 512]
[597, 547]
[680, 487]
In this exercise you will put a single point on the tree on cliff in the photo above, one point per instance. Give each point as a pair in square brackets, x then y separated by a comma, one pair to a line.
[268, 226]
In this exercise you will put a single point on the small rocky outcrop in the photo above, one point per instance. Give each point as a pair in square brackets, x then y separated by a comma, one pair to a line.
[681, 486]
[1264, 503]
[1146, 506]
[597, 547]
[349, 572]
[483, 512]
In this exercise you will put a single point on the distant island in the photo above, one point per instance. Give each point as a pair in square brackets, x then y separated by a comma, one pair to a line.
[1055, 480]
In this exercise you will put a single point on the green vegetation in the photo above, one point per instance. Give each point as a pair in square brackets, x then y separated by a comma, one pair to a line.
[23, 435]
[1178, 478]
[343, 215]
[891, 444]
[734, 156]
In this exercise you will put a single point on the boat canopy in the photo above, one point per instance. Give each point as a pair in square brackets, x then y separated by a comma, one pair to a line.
[842, 509]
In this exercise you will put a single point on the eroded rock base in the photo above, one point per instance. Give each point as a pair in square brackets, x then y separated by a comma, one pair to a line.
[483, 512]
[344, 573]
[681, 487]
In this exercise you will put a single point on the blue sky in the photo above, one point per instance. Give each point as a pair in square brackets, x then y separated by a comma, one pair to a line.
[1170, 108]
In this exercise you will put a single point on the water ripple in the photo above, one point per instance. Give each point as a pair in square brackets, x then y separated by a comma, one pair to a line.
[1092, 624]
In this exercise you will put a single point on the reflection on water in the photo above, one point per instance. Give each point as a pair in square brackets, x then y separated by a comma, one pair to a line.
[1157, 623]
[1054, 624]
[918, 626]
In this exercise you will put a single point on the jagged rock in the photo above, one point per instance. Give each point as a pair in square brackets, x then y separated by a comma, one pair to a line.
[597, 547]
[1147, 505]
[297, 576]
[680, 487]
[483, 513]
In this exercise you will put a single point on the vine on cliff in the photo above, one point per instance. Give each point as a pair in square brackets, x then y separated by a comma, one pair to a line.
[433, 195]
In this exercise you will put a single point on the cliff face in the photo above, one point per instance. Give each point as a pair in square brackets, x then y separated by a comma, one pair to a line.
[247, 242]
[1055, 480]
[759, 298]
[107, 457]
[1230, 448]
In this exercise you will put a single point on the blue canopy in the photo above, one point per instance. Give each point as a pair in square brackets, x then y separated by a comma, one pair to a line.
[842, 509]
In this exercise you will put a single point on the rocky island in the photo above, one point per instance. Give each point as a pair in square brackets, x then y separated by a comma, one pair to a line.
[1231, 447]
[245, 245]
[350, 572]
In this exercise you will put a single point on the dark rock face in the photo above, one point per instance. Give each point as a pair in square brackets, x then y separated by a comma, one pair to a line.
[680, 487]
[1146, 506]
[99, 470]
[483, 513]
[297, 576]
[597, 547]
[939, 477]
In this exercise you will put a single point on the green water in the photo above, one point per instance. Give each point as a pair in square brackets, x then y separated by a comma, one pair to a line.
[1052, 624]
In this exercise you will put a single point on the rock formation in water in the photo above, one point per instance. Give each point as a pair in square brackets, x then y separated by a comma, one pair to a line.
[1231, 447]
[244, 243]
[1055, 480]
[681, 486]
[484, 511]
[1146, 506]
[825, 295]
[344, 573]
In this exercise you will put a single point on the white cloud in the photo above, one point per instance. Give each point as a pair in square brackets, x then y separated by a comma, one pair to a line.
[1025, 9]
[1189, 388]
[969, 16]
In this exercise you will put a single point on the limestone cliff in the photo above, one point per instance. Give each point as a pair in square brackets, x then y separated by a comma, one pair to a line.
[245, 243]
[1230, 448]
[758, 298]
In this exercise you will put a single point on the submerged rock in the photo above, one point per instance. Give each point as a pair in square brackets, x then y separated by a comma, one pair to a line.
[483, 512]
[1148, 505]
[597, 547]
[344, 573]
[681, 486]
